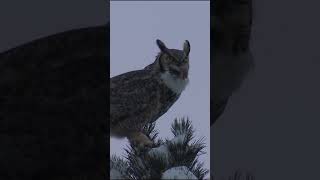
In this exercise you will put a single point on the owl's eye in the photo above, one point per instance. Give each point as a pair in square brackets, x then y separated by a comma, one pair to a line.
[174, 72]
[171, 58]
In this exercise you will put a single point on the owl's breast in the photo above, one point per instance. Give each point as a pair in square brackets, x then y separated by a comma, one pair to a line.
[166, 99]
[137, 98]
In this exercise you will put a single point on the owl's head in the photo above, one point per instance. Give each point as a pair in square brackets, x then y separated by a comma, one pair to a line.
[174, 61]
[174, 65]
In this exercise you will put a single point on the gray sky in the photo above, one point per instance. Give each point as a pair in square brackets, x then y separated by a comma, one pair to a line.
[271, 126]
[135, 26]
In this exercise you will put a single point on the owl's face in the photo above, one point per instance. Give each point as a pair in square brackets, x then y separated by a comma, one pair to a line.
[173, 61]
[174, 66]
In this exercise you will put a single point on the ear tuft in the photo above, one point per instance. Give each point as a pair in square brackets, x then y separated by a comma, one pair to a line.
[186, 47]
[161, 45]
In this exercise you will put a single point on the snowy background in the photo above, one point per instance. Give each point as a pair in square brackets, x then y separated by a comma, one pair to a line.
[135, 26]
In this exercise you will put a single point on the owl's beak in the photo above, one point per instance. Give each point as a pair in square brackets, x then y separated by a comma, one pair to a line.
[184, 72]
[184, 75]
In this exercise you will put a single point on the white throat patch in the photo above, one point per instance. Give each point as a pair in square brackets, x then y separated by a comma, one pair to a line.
[175, 84]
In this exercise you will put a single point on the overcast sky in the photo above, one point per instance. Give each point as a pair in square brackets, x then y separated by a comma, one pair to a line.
[135, 26]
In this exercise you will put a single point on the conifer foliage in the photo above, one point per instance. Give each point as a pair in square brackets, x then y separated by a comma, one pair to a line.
[168, 159]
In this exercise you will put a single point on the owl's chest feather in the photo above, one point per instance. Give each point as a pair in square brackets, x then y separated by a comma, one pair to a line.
[167, 98]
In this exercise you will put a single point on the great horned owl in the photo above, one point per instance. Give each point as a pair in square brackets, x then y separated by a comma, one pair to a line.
[142, 96]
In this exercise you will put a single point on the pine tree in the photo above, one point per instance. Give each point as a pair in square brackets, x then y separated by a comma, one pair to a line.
[168, 159]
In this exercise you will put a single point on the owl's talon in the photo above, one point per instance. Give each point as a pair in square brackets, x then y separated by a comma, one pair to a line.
[139, 139]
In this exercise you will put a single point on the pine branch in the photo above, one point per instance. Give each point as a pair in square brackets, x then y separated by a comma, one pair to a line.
[118, 168]
[177, 157]
[150, 131]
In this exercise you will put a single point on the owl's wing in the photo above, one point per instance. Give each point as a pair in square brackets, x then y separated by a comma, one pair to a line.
[133, 95]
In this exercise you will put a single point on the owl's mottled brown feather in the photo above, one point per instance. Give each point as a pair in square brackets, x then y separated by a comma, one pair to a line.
[141, 97]
[136, 98]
